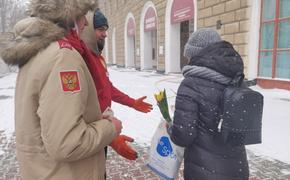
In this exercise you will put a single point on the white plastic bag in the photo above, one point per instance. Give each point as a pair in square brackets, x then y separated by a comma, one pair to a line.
[164, 157]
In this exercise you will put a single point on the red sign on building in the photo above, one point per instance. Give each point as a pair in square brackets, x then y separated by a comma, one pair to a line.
[131, 27]
[150, 21]
[182, 10]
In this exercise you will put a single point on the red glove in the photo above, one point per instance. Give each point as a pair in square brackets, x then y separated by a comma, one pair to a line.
[123, 149]
[142, 106]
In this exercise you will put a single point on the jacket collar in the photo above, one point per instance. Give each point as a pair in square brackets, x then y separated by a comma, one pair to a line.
[205, 73]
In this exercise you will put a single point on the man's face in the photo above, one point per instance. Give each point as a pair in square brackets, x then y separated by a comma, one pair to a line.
[101, 34]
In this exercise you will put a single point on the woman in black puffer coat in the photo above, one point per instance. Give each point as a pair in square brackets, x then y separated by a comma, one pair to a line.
[212, 65]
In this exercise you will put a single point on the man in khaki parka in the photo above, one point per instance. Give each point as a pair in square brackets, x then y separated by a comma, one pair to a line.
[60, 132]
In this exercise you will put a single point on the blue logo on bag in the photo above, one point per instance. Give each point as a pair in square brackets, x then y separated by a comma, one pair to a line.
[164, 147]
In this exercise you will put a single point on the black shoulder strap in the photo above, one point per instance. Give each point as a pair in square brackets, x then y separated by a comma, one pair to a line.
[237, 80]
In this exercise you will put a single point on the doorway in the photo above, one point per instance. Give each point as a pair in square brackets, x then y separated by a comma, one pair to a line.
[154, 49]
[184, 35]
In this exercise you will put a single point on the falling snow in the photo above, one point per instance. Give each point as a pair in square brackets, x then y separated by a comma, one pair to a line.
[276, 116]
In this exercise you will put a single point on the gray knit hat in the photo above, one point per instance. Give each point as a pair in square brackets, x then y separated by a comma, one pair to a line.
[199, 40]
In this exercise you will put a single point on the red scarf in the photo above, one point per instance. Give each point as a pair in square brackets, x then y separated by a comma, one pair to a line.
[88, 56]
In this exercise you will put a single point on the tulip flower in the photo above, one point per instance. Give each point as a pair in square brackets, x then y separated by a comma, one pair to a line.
[163, 105]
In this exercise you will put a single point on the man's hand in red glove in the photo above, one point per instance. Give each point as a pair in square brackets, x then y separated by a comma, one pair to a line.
[123, 149]
[142, 106]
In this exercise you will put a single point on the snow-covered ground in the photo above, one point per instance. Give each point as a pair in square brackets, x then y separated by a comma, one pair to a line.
[3, 67]
[276, 116]
[7, 88]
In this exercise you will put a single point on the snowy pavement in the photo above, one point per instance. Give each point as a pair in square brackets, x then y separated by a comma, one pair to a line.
[269, 160]
[119, 168]
[276, 116]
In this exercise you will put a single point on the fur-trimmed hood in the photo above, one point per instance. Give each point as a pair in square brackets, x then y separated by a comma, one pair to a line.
[63, 12]
[31, 35]
[49, 21]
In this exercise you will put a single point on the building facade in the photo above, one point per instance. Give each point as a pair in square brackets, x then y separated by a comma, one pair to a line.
[150, 35]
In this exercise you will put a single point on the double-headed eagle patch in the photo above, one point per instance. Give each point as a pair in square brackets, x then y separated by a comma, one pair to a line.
[70, 81]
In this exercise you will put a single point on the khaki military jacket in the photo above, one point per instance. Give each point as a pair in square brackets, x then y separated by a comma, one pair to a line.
[60, 134]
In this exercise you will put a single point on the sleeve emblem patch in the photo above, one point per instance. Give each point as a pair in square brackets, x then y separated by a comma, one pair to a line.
[70, 81]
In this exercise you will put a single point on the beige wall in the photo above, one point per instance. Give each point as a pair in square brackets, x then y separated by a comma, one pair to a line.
[235, 18]
[234, 15]
[117, 11]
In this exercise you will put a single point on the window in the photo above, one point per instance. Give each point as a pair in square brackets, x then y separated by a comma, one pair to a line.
[274, 53]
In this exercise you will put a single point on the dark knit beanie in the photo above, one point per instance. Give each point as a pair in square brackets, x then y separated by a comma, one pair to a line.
[199, 40]
[100, 20]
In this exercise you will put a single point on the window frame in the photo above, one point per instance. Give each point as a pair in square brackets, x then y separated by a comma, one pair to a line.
[275, 49]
